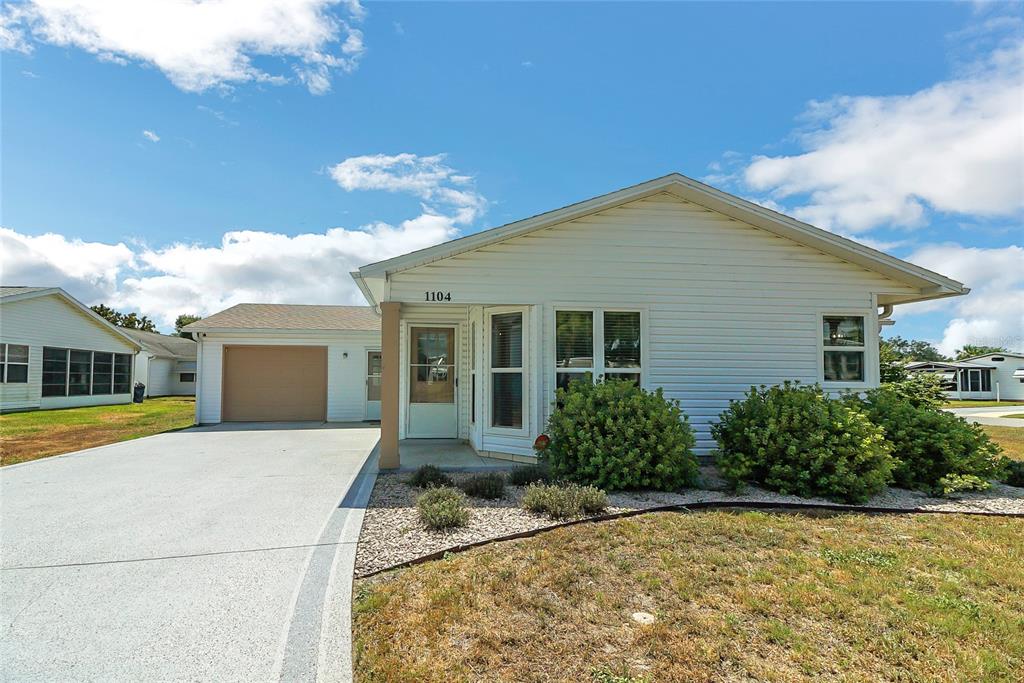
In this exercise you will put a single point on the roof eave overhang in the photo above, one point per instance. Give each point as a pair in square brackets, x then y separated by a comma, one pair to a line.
[932, 285]
[274, 330]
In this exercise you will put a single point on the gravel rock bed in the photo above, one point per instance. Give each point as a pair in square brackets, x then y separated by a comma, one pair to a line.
[392, 532]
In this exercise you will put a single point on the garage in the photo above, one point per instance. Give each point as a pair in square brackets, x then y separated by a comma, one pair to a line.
[275, 383]
[287, 362]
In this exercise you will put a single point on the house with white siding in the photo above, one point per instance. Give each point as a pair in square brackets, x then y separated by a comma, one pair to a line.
[57, 353]
[669, 283]
[992, 376]
[166, 364]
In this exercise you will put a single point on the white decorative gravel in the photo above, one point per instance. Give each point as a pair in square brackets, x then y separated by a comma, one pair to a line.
[392, 532]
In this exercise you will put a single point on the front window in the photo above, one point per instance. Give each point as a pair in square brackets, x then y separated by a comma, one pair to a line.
[843, 348]
[507, 370]
[597, 344]
[13, 363]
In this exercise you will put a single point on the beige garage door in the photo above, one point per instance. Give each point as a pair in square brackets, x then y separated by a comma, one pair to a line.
[269, 383]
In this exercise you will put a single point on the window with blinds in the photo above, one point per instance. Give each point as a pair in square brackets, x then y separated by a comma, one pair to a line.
[601, 344]
[507, 370]
[574, 346]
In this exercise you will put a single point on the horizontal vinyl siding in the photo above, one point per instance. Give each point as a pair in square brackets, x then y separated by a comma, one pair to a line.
[51, 321]
[346, 377]
[727, 305]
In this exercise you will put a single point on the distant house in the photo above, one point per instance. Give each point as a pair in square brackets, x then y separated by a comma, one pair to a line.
[166, 364]
[57, 353]
[987, 377]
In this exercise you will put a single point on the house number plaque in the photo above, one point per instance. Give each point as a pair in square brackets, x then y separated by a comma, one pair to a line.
[437, 296]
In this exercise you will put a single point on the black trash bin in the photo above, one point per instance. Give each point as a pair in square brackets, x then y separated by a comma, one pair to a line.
[139, 393]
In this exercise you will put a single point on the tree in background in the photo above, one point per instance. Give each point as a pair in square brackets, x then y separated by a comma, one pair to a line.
[131, 321]
[912, 349]
[971, 350]
[183, 320]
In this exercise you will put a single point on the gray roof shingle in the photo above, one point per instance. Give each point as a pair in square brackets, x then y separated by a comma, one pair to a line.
[164, 344]
[290, 317]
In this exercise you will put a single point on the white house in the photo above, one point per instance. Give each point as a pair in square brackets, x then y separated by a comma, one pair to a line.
[960, 379]
[166, 364]
[1007, 382]
[669, 283]
[56, 353]
[267, 362]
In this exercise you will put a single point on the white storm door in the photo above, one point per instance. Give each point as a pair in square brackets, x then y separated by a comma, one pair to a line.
[373, 365]
[432, 408]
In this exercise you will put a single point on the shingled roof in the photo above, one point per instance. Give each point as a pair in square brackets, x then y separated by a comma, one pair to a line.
[289, 317]
[164, 345]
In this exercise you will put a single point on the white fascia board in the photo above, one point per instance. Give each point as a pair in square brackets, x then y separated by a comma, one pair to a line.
[703, 195]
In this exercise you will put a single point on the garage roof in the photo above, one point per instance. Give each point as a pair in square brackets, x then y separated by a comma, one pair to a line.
[289, 317]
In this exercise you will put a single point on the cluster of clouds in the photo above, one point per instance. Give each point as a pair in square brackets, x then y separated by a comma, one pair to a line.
[250, 265]
[199, 44]
[954, 149]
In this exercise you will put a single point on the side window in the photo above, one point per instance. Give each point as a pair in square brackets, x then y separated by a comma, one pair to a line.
[843, 347]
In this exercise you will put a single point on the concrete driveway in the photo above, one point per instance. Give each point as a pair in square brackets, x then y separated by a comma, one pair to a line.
[991, 416]
[222, 553]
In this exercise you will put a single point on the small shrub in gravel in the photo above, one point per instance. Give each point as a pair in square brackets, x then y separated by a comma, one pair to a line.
[930, 444]
[490, 486]
[956, 483]
[796, 439]
[564, 501]
[428, 477]
[618, 436]
[529, 474]
[443, 508]
[1013, 473]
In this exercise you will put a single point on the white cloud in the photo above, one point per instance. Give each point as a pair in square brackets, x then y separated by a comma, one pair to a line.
[198, 44]
[441, 188]
[956, 147]
[993, 313]
[151, 136]
[248, 265]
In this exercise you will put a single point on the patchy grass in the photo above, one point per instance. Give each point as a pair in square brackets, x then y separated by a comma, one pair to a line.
[982, 404]
[1010, 438]
[1019, 416]
[736, 596]
[41, 433]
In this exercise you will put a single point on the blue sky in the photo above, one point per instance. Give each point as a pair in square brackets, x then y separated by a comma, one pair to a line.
[532, 106]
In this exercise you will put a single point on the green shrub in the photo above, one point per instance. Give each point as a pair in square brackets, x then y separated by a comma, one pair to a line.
[428, 476]
[955, 483]
[528, 474]
[920, 388]
[615, 435]
[928, 443]
[564, 501]
[796, 439]
[490, 486]
[1013, 472]
[443, 508]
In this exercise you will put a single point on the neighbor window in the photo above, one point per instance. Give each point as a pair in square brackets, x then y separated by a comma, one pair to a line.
[843, 346]
[74, 372]
[507, 370]
[975, 380]
[191, 377]
[602, 344]
[13, 363]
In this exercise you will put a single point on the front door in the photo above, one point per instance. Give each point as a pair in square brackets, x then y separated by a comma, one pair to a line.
[432, 408]
[373, 365]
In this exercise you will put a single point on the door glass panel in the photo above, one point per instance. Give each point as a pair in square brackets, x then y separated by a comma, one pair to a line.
[373, 367]
[432, 376]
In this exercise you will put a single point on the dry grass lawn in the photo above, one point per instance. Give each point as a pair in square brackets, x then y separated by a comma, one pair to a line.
[736, 596]
[1010, 438]
[41, 433]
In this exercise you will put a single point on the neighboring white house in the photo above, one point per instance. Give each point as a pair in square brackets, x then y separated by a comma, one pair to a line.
[56, 353]
[260, 362]
[987, 377]
[166, 364]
